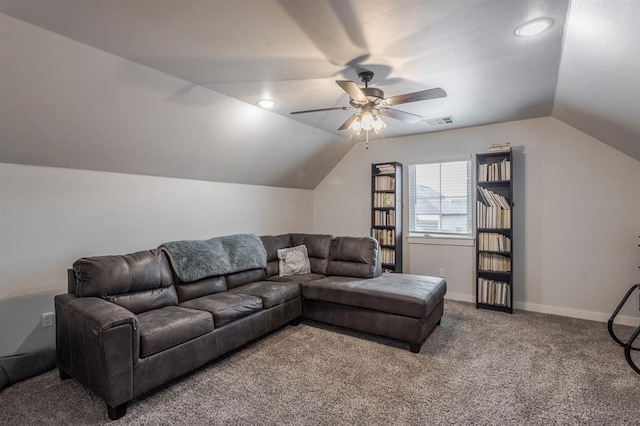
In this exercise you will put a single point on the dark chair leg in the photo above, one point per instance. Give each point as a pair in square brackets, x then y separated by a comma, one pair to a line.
[63, 375]
[117, 412]
[295, 322]
[615, 314]
[628, 348]
[415, 347]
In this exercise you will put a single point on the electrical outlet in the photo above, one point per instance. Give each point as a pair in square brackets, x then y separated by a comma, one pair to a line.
[47, 319]
[442, 272]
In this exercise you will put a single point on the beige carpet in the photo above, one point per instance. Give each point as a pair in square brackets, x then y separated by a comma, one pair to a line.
[479, 367]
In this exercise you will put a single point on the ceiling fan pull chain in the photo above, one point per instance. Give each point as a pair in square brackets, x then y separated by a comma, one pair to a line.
[366, 136]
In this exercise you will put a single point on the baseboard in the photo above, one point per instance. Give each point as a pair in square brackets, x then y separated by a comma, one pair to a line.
[556, 310]
[577, 313]
[460, 297]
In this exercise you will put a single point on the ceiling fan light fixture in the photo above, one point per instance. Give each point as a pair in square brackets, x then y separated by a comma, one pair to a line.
[533, 27]
[266, 103]
[378, 125]
[367, 120]
[356, 126]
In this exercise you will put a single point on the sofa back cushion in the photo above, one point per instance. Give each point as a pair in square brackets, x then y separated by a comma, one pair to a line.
[203, 287]
[138, 281]
[354, 257]
[245, 277]
[318, 248]
[271, 244]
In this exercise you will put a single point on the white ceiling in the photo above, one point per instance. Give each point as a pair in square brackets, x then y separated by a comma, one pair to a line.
[293, 50]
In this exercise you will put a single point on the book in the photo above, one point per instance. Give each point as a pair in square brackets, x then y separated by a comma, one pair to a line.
[500, 147]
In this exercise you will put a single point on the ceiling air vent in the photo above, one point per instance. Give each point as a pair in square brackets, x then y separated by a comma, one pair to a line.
[440, 121]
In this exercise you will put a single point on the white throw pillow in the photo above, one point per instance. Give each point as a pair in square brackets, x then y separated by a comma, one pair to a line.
[294, 261]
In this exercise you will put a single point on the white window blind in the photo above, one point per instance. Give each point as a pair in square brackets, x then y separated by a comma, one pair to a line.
[440, 198]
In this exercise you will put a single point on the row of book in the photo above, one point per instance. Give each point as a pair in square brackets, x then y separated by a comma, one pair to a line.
[492, 217]
[386, 168]
[494, 262]
[385, 237]
[494, 242]
[384, 218]
[494, 292]
[384, 200]
[490, 172]
[384, 183]
[388, 256]
[491, 198]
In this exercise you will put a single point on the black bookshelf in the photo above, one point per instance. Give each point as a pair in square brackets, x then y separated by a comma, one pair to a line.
[494, 225]
[386, 213]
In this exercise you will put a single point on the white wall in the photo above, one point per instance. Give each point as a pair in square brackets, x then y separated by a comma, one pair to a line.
[577, 214]
[49, 217]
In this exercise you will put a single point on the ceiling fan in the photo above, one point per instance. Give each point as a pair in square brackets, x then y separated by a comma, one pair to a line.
[372, 103]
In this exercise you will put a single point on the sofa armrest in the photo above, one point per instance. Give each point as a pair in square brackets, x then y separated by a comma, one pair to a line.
[97, 343]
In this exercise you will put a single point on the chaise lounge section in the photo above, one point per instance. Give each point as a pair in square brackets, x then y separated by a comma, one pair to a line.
[130, 323]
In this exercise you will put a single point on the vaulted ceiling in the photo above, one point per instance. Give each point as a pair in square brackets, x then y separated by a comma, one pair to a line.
[583, 70]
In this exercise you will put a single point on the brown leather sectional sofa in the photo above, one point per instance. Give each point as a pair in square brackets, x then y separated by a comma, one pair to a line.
[129, 324]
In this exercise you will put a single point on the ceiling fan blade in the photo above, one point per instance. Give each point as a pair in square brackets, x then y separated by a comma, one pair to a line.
[352, 90]
[407, 117]
[322, 109]
[422, 95]
[347, 123]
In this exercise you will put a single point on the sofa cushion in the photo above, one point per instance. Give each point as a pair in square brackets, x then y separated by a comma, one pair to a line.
[402, 294]
[271, 245]
[142, 301]
[103, 276]
[293, 261]
[318, 247]
[354, 257]
[226, 307]
[203, 287]
[329, 289]
[303, 278]
[245, 277]
[139, 281]
[272, 293]
[170, 326]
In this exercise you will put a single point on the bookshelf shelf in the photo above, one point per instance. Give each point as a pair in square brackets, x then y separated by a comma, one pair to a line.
[500, 308]
[491, 184]
[501, 253]
[386, 213]
[494, 220]
[487, 273]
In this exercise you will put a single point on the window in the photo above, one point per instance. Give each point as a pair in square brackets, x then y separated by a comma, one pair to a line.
[440, 199]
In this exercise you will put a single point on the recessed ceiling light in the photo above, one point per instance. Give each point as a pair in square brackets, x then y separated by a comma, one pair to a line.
[266, 103]
[534, 27]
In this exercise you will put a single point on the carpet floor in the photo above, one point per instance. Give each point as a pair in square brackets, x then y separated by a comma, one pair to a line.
[478, 367]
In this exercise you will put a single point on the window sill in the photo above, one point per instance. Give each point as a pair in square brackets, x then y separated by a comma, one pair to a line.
[441, 241]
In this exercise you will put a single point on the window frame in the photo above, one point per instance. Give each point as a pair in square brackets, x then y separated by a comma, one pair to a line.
[447, 238]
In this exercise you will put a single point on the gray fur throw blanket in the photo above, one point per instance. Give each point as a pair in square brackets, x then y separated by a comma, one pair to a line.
[197, 259]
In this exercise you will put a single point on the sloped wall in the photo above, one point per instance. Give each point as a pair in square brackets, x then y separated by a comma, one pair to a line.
[67, 104]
